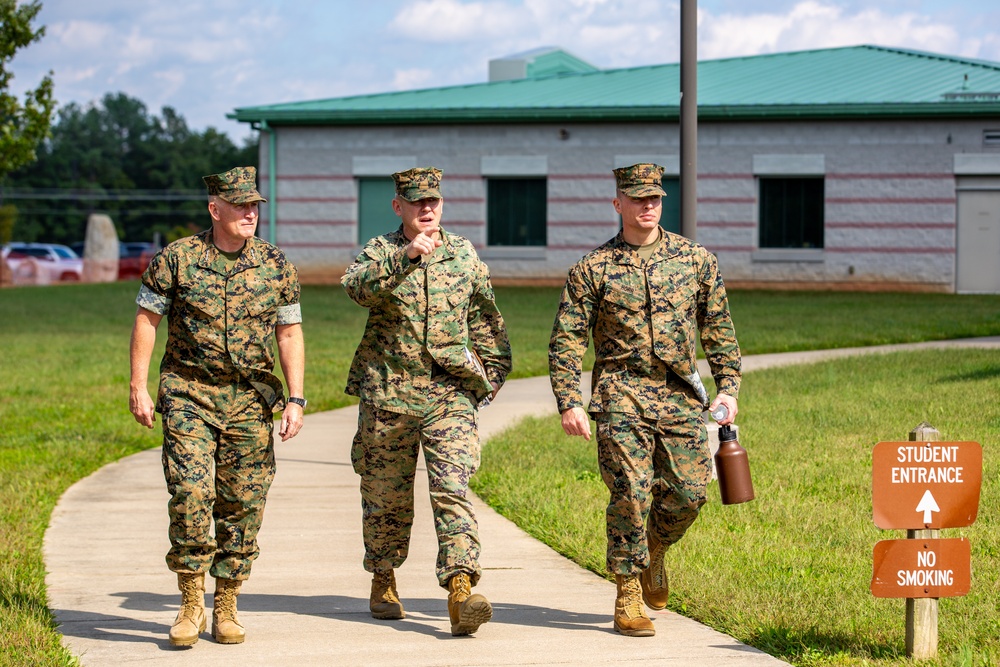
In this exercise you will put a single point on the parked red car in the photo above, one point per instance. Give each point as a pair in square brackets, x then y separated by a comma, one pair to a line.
[133, 258]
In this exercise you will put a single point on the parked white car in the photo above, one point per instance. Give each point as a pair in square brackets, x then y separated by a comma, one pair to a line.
[42, 263]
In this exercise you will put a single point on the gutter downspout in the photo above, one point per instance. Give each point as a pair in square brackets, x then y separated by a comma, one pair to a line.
[272, 181]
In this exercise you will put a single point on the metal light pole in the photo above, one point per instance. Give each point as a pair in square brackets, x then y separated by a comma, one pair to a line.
[689, 119]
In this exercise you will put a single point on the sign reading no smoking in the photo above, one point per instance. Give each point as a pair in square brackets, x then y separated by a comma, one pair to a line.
[921, 568]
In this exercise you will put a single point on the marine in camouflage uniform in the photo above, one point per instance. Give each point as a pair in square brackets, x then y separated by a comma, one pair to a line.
[227, 296]
[646, 296]
[434, 348]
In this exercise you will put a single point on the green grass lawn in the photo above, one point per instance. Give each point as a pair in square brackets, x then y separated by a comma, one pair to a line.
[789, 572]
[64, 414]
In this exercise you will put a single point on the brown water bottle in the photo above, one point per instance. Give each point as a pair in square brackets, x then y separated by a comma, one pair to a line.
[733, 469]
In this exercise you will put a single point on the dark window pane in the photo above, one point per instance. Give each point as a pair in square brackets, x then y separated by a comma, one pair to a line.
[791, 213]
[516, 211]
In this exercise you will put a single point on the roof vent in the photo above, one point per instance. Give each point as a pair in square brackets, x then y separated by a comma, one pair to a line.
[991, 137]
[505, 69]
[537, 63]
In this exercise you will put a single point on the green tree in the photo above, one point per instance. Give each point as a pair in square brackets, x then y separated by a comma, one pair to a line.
[113, 156]
[22, 127]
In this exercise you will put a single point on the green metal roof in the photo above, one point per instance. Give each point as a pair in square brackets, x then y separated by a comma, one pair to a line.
[859, 81]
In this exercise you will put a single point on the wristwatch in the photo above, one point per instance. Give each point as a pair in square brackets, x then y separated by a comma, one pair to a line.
[298, 401]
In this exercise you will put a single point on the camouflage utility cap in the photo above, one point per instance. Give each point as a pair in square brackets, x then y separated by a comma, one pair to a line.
[418, 183]
[640, 180]
[236, 186]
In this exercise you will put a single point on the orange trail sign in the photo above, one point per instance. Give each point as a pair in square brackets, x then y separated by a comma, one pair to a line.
[921, 568]
[926, 485]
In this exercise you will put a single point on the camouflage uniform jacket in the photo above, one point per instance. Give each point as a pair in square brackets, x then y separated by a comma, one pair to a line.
[421, 313]
[220, 326]
[644, 318]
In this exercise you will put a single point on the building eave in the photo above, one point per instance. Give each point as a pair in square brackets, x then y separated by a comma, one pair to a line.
[479, 116]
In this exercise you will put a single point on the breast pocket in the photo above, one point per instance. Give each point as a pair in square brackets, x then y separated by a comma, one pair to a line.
[254, 332]
[683, 298]
[622, 321]
[199, 301]
[408, 292]
[625, 299]
[674, 320]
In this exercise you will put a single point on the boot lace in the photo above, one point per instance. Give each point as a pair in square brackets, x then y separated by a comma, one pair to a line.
[461, 586]
[632, 597]
[225, 602]
[190, 594]
[656, 567]
[385, 586]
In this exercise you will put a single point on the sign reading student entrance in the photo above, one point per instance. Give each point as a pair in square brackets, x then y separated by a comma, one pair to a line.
[921, 568]
[926, 485]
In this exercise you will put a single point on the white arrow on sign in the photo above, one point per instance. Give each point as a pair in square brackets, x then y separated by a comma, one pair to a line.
[927, 505]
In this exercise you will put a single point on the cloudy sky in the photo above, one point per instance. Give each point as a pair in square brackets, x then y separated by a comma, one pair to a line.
[204, 58]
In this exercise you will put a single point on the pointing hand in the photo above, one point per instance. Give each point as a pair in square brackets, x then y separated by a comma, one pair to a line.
[423, 243]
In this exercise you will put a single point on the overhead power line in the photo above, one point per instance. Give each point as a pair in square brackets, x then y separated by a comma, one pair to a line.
[123, 195]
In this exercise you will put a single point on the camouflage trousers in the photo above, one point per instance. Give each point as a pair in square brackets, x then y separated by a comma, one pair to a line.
[384, 454]
[220, 474]
[657, 473]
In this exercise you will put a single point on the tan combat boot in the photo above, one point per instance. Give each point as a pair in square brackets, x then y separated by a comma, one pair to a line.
[630, 615]
[190, 621]
[467, 611]
[384, 601]
[655, 586]
[226, 627]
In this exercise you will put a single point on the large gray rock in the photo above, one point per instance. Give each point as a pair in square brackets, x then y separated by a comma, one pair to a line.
[100, 250]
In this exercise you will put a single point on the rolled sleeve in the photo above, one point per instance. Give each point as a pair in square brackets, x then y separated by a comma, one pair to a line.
[291, 314]
[153, 302]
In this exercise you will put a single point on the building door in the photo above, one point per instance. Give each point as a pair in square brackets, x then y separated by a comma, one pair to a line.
[978, 253]
[375, 214]
[670, 216]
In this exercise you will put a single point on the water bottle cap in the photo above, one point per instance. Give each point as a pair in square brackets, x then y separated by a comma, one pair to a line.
[720, 412]
[726, 433]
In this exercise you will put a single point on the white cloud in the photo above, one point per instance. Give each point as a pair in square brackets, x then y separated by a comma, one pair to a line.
[454, 21]
[139, 47]
[989, 47]
[607, 33]
[77, 36]
[170, 81]
[813, 25]
[408, 79]
[67, 75]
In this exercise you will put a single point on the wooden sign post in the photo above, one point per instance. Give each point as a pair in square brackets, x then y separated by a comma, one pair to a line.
[924, 487]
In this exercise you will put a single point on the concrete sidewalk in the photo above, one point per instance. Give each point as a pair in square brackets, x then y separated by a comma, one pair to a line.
[307, 602]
